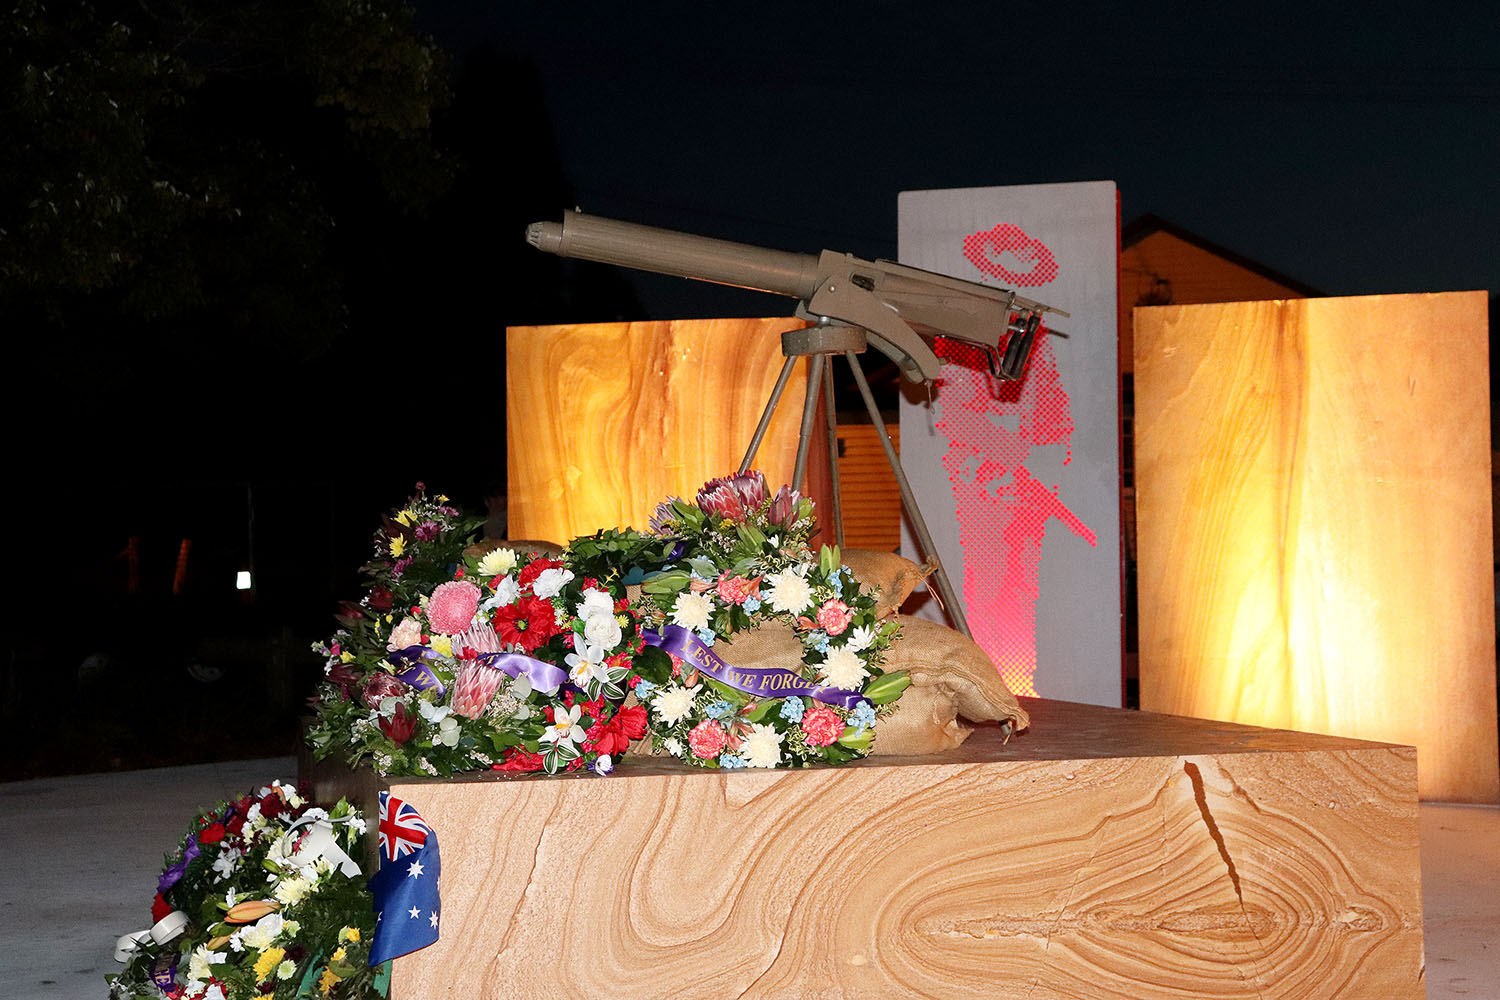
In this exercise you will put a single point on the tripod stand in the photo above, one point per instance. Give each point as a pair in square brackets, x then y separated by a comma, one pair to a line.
[820, 344]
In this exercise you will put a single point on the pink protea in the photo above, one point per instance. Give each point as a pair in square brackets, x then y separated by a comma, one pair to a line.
[784, 506]
[475, 688]
[733, 497]
[451, 607]
[480, 637]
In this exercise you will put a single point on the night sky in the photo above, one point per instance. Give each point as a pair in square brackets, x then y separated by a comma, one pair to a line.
[1355, 149]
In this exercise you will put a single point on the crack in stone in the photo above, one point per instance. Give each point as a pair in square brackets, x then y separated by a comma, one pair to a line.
[1200, 796]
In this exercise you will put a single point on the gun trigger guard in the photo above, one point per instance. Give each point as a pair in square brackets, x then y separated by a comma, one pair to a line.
[838, 297]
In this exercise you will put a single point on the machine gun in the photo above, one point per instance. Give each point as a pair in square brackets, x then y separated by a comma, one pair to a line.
[900, 308]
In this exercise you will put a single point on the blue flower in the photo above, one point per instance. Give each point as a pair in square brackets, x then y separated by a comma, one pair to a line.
[822, 644]
[718, 709]
[707, 635]
[792, 709]
[730, 760]
[643, 689]
[863, 716]
[752, 604]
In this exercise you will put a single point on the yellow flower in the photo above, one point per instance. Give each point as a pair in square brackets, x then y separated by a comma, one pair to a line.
[346, 657]
[398, 545]
[338, 955]
[327, 981]
[267, 961]
[406, 518]
[349, 934]
[442, 499]
[442, 644]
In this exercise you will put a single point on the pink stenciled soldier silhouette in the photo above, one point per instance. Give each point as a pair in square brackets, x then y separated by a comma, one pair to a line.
[992, 428]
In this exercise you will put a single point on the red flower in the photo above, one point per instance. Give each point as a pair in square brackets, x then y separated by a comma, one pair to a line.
[535, 569]
[822, 726]
[271, 806]
[381, 599]
[159, 908]
[211, 834]
[518, 759]
[401, 726]
[527, 622]
[235, 825]
[615, 736]
[379, 687]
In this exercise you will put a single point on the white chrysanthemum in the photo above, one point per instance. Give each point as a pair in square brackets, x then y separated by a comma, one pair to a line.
[692, 610]
[843, 669]
[788, 591]
[291, 891]
[201, 961]
[762, 748]
[673, 704]
[673, 746]
[497, 561]
[860, 639]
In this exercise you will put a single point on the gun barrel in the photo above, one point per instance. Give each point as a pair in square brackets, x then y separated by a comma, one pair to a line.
[665, 251]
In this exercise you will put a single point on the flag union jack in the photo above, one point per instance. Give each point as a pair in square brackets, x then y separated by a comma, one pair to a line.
[402, 829]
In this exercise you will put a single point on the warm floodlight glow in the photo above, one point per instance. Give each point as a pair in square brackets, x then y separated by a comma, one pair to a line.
[1313, 523]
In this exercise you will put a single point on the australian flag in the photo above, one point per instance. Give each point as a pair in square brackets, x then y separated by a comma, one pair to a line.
[406, 887]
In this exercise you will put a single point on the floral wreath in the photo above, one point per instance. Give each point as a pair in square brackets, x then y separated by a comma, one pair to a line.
[260, 899]
[743, 561]
[459, 659]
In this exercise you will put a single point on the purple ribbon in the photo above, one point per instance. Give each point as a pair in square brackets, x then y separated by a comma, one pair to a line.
[764, 682]
[164, 970]
[544, 677]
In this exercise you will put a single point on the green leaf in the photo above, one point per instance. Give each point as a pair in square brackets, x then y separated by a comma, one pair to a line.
[858, 740]
[666, 583]
[828, 559]
[887, 687]
[762, 709]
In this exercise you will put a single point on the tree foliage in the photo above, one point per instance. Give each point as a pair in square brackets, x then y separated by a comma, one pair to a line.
[187, 166]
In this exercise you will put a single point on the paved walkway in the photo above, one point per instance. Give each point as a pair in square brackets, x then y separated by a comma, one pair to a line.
[81, 854]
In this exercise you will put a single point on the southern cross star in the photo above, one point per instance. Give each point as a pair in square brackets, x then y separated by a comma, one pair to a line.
[415, 871]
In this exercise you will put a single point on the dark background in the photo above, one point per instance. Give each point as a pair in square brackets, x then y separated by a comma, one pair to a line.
[267, 353]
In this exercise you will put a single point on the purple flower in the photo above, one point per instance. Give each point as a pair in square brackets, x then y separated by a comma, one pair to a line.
[428, 530]
[173, 874]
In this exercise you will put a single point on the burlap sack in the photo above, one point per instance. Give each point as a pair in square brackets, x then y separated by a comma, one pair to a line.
[889, 577]
[951, 678]
[521, 546]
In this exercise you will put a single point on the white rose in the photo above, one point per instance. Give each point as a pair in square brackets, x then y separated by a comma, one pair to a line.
[594, 601]
[600, 629]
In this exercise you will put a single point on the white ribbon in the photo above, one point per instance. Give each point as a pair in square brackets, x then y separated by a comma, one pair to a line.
[164, 930]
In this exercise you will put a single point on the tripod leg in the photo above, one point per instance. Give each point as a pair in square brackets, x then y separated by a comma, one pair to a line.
[833, 454]
[817, 364]
[765, 416]
[909, 502]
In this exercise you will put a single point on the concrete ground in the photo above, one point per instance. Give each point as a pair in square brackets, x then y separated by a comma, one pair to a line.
[79, 858]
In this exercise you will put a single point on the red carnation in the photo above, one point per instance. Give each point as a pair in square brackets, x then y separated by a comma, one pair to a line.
[271, 806]
[211, 834]
[159, 908]
[535, 568]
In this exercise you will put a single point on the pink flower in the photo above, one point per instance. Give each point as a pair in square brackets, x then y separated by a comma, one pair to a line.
[822, 726]
[784, 505]
[408, 633]
[451, 607]
[380, 687]
[707, 739]
[834, 616]
[733, 497]
[734, 589]
[474, 687]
